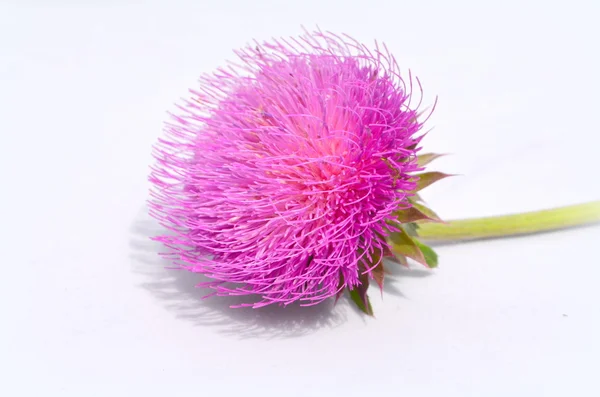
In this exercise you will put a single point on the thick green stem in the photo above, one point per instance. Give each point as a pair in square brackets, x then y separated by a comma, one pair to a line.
[512, 225]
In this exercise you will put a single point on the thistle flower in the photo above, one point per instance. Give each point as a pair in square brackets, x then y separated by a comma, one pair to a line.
[291, 174]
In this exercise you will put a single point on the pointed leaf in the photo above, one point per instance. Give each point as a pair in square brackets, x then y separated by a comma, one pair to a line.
[402, 244]
[401, 259]
[378, 273]
[417, 212]
[428, 212]
[428, 178]
[359, 295]
[430, 256]
[398, 259]
[427, 158]
[364, 306]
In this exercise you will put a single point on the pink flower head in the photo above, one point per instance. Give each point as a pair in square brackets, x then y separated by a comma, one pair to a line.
[281, 175]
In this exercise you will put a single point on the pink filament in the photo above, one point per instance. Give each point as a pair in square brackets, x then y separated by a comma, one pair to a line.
[280, 175]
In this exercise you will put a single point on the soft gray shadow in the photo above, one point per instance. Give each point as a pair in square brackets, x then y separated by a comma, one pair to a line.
[395, 273]
[176, 290]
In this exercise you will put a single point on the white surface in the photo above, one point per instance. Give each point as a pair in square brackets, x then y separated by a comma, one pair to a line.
[87, 309]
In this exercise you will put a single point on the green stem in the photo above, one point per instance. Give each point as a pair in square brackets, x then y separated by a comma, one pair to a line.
[512, 225]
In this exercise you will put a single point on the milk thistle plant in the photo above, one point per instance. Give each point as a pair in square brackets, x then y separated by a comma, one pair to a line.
[294, 173]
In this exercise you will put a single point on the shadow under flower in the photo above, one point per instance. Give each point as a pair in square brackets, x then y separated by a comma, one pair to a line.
[177, 290]
[396, 272]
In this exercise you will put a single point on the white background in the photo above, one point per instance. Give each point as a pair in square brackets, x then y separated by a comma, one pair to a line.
[87, 309]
